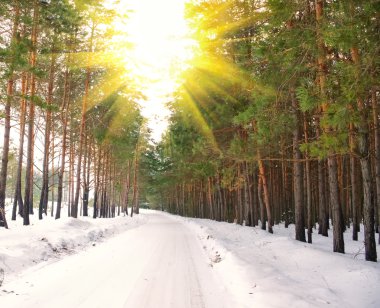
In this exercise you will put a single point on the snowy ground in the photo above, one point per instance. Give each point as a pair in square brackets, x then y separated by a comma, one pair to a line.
[159, 264]
[49, 240]
[159, 260]
[281, 272]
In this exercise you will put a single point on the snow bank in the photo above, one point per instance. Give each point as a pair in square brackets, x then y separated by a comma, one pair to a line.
[47, 240]
[277, 271]
[258, 268]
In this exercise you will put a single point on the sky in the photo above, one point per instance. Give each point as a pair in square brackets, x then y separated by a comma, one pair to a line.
[161, 47]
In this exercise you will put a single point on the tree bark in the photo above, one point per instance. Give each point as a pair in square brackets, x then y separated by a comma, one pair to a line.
[260, 197]
[209, 198]
[127, 186]
[308, 189]
[45, 168]
[82, 129]
[86, 176]
[28, 205]
[52, 173]
[375, 115]
[298, 178]
[354, 189]
[135, 185]
[265, 192]
[97, 184]
[255, 200]
[7, 121]
[18, 193]
[363, 148]
[323, 211]
[338, 242]
[65, 112]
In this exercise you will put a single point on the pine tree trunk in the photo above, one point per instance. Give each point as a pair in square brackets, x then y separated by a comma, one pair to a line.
[220, 196]
[368, 206]
[338, 242]
[265, 192]
[86, 180]
[88, 176]
[4, 159]
[52, 172]
[7, 122]
[82, 131]
[308, 189]
[75, 204]
[354, 189]
[97, 184]
[73, 181]
[183, 198]
[201, 212]
[18, 191]
[285, 211]
[255, 200]
[71, 166]
[31, 196]
[45, 168]
[28, 205]
[248, 196]
[262, 209]
[137, 201]
[65, 113]
[135, 185]
[209, 198]
[297, 178]
[103, 199]
[127, 186]
[323, 212]
[363, 147]
[375, 115]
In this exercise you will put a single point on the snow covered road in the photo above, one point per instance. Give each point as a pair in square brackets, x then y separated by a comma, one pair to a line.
[158, 264]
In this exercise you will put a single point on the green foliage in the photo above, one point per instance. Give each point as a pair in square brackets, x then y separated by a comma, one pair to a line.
[307, 102]
[60, 16]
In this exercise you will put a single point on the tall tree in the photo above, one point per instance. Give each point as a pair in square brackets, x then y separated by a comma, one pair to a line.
[31, 114]
[12, 64]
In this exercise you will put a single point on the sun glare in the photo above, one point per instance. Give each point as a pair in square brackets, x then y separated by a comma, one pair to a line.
[158, 31]
[161, 48]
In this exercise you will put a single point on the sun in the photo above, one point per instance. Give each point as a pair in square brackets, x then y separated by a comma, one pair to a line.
[161, 49]
[160, 39]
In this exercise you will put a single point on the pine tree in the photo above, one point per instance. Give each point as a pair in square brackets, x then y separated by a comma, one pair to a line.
[12, 65]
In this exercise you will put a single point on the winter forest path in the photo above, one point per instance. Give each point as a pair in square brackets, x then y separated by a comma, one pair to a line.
[159, 264]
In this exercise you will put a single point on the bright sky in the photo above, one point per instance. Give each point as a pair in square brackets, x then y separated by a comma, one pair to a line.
[158, 30]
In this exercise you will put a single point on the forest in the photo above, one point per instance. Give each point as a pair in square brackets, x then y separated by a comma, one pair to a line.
[275, 118]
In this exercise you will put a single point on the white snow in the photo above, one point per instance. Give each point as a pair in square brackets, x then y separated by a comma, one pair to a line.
[49, 240]
[282, 272]
[159, 260]
[159, 264]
